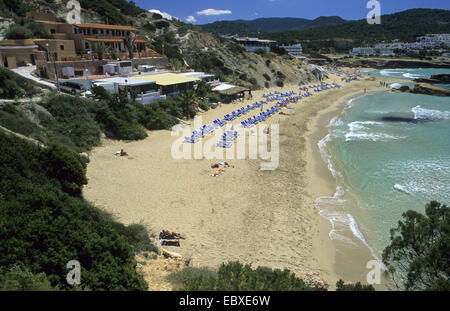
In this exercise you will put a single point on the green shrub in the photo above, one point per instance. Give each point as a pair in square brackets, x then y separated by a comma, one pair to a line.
[358, 287]
[253, 81]
[44, 227]
[235, 276]
[267, 77]
[19, 278]
[279, 83]
[13, 86]
[25, 29]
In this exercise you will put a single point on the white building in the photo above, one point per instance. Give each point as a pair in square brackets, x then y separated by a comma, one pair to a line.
[372, 51]
[146, 92]
[443, 37]
[294, 50]
[253, 44]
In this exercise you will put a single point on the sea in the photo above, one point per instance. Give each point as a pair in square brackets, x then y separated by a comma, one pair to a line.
[389, 152]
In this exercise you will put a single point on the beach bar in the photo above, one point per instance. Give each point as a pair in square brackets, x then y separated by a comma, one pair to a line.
[171, 83]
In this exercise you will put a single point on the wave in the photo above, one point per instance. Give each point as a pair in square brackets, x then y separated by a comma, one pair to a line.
[354, 227]
[401, 188]
[357, 132]
[327, 205]
[429, 114]
[412, 75]
[388, 73]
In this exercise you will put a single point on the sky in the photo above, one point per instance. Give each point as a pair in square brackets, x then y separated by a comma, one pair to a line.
[208, 11]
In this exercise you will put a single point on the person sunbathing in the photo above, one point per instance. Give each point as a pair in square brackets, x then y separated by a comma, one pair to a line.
[218, 173]
[167, 235]
[123, 153]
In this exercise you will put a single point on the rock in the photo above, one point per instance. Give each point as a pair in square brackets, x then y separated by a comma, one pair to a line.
[84, 155]
[404, 89]
[442, 78]
[428, 89]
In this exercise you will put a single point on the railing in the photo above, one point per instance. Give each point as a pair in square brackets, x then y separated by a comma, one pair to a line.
[148, 98]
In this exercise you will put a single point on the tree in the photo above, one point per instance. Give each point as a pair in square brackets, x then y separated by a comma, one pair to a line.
[128, 41]
[418, 257]
[100, 49]
[188, 103]
[19, 278]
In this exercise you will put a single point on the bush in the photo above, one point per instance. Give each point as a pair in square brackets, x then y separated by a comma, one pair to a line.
[267, 77]
[358, 287]
[17, 32]
[235, 276]
[13, 86]
[44, 227]
[26, 29]
[19, 278]
[279, 83]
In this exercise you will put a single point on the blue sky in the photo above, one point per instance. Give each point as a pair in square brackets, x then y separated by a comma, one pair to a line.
[251, 9]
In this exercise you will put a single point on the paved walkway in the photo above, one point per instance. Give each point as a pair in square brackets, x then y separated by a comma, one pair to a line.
[26, 71]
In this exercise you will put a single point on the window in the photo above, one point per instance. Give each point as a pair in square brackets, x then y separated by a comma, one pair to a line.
[61, 47]
[52, 30]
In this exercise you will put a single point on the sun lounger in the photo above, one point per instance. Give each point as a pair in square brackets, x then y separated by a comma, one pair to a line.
[224, 144]
[191, 140]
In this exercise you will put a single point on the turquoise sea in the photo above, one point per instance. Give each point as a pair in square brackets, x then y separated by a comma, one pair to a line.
[389, 152]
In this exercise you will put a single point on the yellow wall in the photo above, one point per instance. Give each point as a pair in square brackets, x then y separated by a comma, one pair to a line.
[64, 49]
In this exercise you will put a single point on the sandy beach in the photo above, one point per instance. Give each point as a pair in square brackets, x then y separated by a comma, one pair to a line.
[267, 218]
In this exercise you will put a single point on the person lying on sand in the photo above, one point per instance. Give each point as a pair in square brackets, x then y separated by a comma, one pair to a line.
[218, 173]
[122, 153]
[167, 235]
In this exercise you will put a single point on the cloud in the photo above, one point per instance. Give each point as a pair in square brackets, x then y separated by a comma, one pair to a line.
[214, 12]
[163, 14]
[191, 19]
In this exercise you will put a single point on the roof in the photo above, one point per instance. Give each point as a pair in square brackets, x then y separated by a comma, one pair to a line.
[121, 81]
[234, 90]
[111, 40]
[104, 26]
[223, 87]
[166, 79]
[198, 74]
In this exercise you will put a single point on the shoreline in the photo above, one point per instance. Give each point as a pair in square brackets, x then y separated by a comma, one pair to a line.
[259, 217]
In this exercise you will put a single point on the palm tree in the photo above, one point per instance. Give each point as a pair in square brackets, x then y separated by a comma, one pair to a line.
[100, 48]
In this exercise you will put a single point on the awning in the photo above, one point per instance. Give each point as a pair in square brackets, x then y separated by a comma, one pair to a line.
[166, 79]
[234, 90]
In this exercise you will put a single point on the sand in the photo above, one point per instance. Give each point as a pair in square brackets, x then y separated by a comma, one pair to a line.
[266, 218]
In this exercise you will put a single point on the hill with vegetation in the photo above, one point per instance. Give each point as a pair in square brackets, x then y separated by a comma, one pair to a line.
[280, 24]
[406, 26]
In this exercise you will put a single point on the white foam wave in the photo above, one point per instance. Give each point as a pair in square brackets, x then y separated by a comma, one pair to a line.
[357, 131]
[412, 76]
[360, 236]
[389, 73]
[401, 188]
[335, 122]
[422, 113]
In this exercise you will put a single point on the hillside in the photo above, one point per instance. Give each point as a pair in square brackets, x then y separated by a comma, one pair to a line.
[406, 26]
[188, 46]
[253, 27]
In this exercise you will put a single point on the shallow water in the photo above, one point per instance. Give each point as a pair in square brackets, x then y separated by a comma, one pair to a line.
[389, 153]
